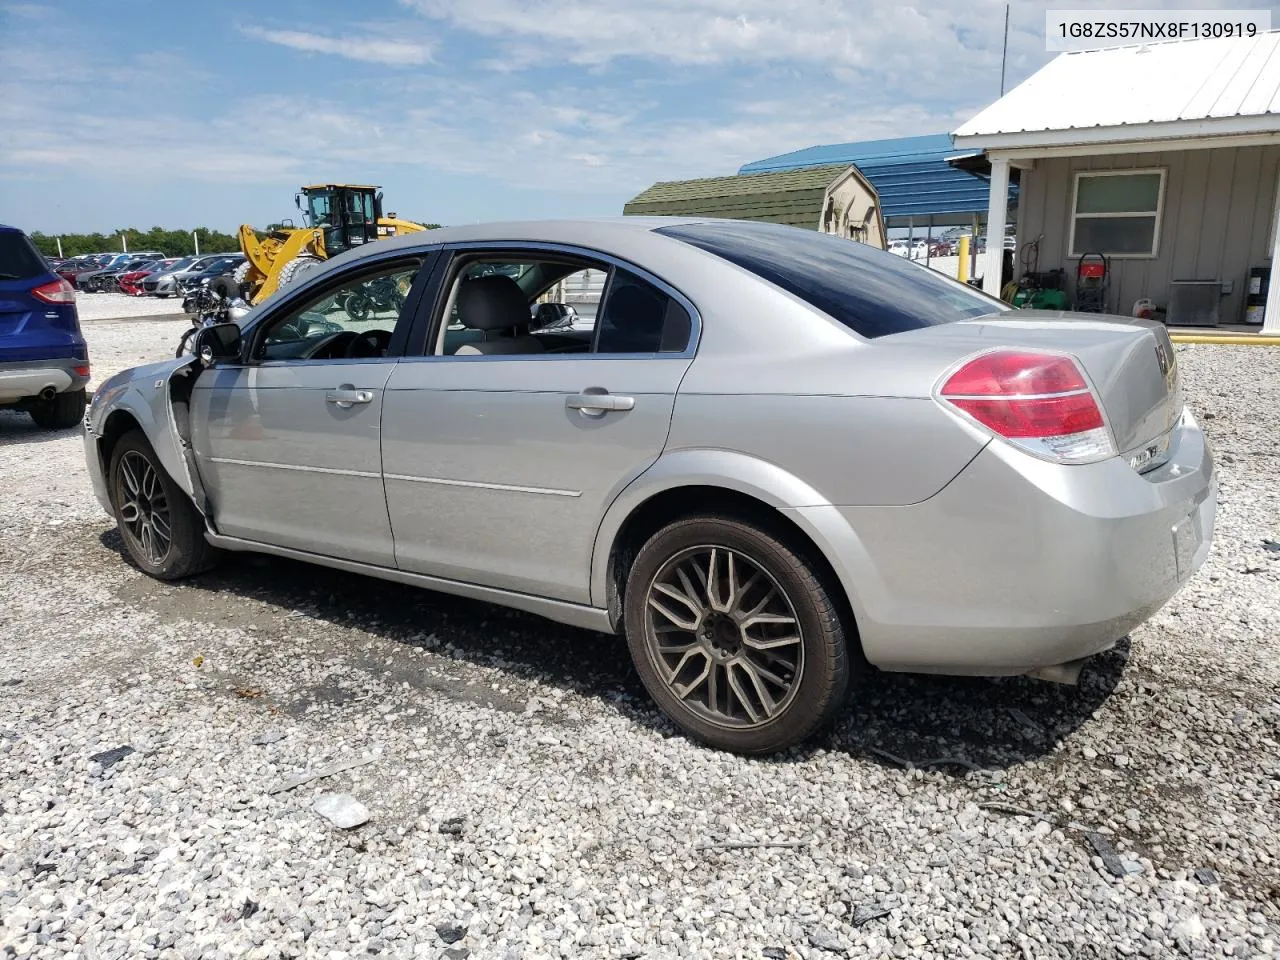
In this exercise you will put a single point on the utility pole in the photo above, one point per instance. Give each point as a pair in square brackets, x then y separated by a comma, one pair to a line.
[124, 243]
[1004, 57]
[59, 242]
[196, 239]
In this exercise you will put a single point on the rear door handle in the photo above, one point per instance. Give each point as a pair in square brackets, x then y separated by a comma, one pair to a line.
[346, 395]
[598, 404]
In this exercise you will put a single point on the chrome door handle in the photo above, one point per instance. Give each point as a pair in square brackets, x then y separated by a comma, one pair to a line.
[598, 404]
[345, 396]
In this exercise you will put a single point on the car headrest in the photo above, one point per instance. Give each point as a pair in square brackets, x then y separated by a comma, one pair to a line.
[492, 303]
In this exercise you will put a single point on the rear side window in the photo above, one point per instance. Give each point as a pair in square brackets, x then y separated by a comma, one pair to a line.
[871, 292]
[639, 318]
[19, 259]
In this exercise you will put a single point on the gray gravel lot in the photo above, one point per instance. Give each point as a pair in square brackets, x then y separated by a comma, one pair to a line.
[526, 800]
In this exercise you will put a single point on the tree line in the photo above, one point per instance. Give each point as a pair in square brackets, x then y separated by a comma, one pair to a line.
[173, 243]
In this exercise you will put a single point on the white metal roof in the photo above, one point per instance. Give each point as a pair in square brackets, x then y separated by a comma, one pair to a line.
[1177, 88]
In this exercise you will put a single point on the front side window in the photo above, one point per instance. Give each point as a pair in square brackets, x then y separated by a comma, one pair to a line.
[1117, 213]
[355, 320]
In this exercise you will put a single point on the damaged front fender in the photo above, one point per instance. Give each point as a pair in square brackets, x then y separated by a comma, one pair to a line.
[156, 398]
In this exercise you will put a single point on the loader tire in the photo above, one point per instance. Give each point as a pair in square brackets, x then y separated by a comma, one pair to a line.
[297, 268]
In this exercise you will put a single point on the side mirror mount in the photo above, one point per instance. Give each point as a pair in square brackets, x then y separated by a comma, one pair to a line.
[218, 341]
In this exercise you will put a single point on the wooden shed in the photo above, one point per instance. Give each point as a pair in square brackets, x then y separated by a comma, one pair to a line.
[834, 199]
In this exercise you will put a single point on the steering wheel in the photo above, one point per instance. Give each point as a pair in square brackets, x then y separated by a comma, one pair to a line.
[306, 325]
[369, 343]
[329, 347]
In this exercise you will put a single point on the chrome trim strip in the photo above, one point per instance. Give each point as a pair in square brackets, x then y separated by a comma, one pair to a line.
[295, 466]
[562, 611]
[504, 487]
[1015, 396]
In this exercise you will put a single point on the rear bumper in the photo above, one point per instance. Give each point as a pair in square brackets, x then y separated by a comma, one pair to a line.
[1019, 563]
[26, 379]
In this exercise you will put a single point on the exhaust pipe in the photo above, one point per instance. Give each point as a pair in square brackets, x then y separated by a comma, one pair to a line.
[1068, 673]
[48, 393]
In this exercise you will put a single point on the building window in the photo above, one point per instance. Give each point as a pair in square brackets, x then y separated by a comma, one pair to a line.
[1117, 213]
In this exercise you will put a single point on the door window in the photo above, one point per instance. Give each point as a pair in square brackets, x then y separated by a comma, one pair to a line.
[639, 318]
[352, 320]
[509, 306]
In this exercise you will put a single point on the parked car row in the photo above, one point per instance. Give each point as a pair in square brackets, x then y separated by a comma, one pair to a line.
[920, 248]
[149, 273]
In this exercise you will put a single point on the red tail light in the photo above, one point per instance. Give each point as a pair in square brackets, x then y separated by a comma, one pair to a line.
[81, 370]
[57, 292]
[1038, 401]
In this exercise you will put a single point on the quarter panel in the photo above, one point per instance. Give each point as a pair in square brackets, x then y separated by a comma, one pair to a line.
[741, 473]
[849, 450]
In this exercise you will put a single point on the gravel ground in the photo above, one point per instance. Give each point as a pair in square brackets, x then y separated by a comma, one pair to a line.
[120, 306]
[526, 800]
[117, 344]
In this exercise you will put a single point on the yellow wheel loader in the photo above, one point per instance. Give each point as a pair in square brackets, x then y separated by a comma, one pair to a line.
[338, 216]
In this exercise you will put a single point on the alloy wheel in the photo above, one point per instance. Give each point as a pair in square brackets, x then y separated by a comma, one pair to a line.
[724, 637]
[144, 507]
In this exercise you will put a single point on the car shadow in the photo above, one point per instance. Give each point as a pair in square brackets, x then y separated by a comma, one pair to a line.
[17, 427]
[951, 725]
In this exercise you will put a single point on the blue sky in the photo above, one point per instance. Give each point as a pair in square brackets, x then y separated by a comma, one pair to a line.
[144, 112]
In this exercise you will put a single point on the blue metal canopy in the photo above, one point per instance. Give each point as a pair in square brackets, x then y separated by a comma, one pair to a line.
[911, 174]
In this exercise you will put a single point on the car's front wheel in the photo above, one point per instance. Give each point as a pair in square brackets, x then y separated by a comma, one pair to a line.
[735, 634]
[161, 529]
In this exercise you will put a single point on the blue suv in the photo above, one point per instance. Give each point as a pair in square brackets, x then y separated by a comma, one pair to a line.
[44, 361]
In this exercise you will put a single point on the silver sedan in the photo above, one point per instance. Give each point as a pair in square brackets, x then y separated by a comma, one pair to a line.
[773, 459]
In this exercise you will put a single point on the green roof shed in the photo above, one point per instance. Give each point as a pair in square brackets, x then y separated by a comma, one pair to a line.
[835, 198]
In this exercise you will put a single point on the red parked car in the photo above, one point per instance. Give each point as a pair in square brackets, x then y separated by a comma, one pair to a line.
[131, 282]
[71, 269]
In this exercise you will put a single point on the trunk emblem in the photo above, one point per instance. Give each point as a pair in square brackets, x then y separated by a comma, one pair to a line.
[1162, 358]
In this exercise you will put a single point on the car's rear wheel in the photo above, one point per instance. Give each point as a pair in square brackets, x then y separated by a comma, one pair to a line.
[161, 529]
[64, 411]
[735, 634]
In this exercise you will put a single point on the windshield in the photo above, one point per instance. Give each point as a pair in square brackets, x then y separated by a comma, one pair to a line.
[872, 292]
[320, 208]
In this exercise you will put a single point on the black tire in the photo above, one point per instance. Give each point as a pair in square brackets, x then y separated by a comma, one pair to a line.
[297, 268]
[187, 552]
[358, 307]
[63, 412]
[821, 675]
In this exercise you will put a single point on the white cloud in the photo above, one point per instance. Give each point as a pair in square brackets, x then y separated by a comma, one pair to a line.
[828, 33]
[370, 49]
[638, 92]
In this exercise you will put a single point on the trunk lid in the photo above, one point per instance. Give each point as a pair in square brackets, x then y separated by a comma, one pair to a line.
[1130, 363]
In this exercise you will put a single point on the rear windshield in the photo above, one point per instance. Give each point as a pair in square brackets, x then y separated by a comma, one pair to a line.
[871, 292]
[19, 260]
